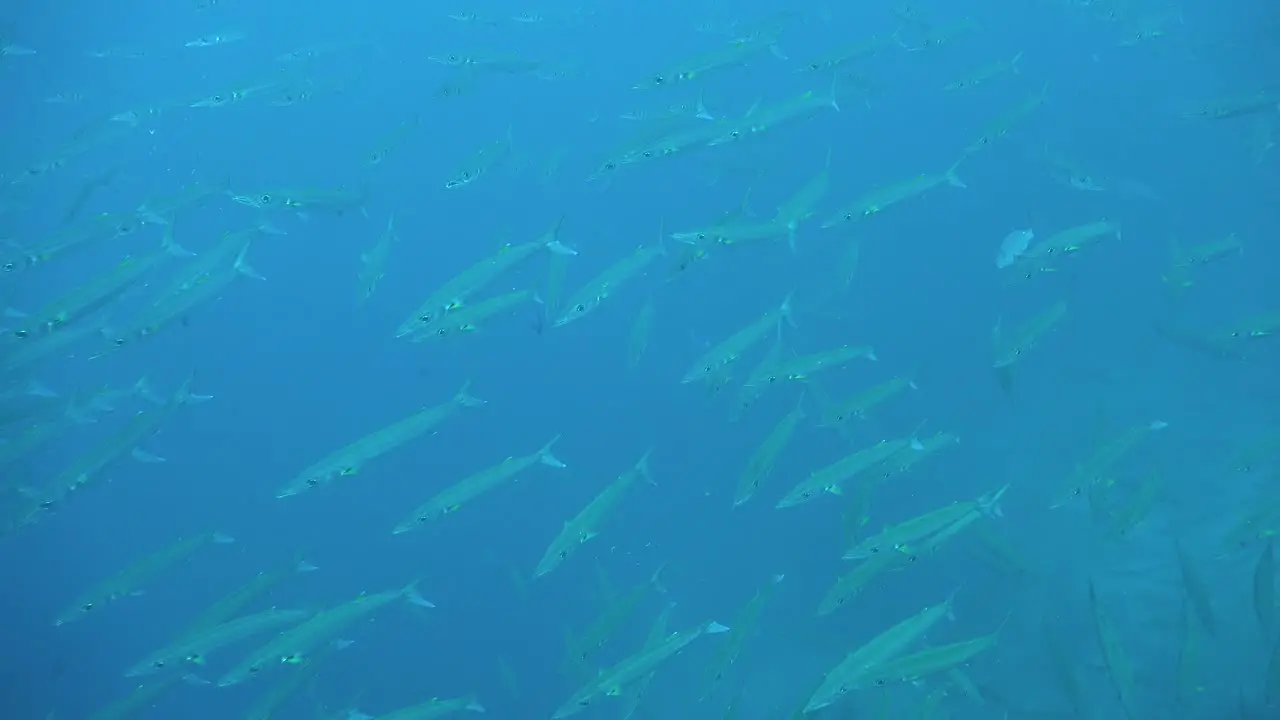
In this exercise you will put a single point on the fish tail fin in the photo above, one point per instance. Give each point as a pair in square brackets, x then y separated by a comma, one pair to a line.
[474, 705]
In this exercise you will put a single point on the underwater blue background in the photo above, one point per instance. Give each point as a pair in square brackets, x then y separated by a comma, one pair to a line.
[296, 368]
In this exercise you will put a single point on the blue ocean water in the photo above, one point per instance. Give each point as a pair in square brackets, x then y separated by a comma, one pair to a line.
[100, 119]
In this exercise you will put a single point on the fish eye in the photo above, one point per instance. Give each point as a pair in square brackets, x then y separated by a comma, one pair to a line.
[254, 669]
[580, 307]
[265, 199]
[312, 482]
[157, 664]
[806, 494]
[8, 267]
[844, 690]
[424, 318]
[20, 333]
[658, 79]
[119, 342]
[216, 98]
[881, 682]
[453, 58]
[735, 134]
[814, 66]
[87, 607]
[707, 369]
[442, 332]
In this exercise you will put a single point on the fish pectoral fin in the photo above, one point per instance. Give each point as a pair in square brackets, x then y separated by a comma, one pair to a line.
[834, 489]
[143, 456]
